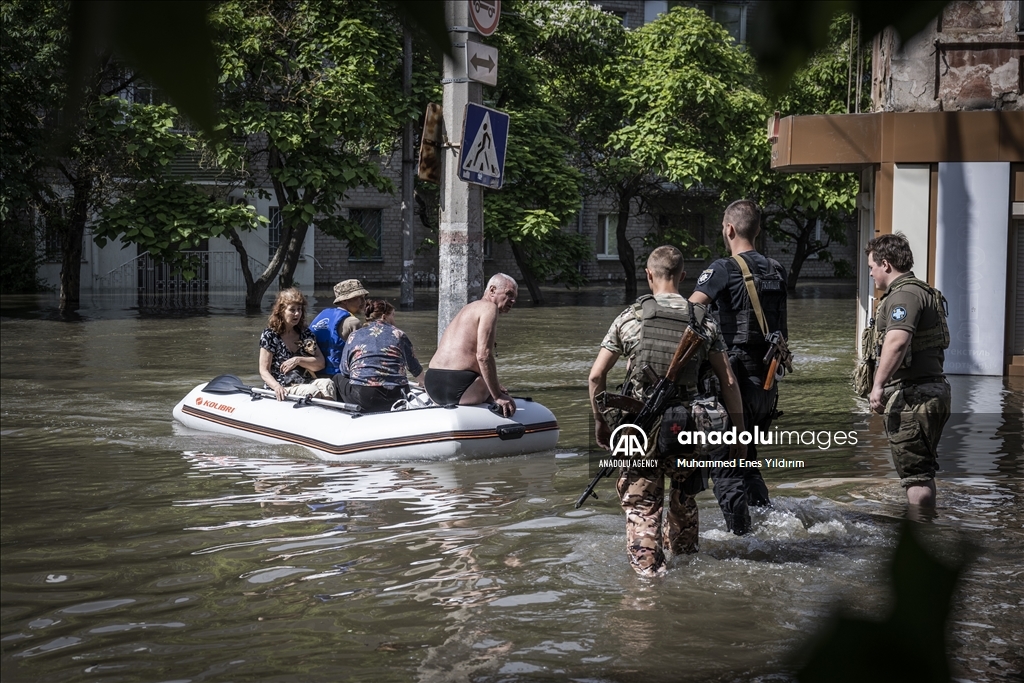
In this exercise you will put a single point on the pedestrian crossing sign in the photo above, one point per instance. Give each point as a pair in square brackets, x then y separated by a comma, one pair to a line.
[484, 141]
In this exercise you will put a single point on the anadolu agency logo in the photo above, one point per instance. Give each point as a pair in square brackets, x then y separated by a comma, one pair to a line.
[629, 441]
[629, 446]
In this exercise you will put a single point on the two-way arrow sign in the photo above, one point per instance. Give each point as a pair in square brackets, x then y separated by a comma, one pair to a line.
[479, 63]
[482, 63]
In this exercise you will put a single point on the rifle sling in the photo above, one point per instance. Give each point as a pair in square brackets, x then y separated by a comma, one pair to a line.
[748, 280]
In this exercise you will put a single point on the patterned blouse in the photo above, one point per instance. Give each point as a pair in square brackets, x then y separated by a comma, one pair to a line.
[378, 355]
[271, 341]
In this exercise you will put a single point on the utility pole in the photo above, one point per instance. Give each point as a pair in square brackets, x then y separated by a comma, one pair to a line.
[408, 298]
[460, 234]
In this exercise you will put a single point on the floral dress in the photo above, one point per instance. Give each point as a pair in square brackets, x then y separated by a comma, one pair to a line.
[378, 355]
[271, 341]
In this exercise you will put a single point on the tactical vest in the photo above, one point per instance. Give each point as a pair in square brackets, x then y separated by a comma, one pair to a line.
[936, 337]
[325, 328]
[740, 326]
[661, 328]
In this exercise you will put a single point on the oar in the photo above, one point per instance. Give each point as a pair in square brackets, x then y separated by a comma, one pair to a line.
[229, 384]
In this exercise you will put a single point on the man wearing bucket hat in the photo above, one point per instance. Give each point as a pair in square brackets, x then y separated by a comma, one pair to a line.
[333, 326]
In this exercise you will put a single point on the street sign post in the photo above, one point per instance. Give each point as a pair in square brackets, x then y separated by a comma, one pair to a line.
[485, 15]
[482, 63]
[484, 141]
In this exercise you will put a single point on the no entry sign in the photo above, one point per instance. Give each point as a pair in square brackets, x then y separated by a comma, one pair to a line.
[485, 15]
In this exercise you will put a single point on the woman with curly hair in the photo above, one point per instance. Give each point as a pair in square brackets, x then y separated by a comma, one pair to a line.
[289, 355]
[376, 360]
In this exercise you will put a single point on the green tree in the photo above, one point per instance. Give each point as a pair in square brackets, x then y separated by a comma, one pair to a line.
[311, 101]
[794, 203]
[25, 83]
[310, 105]
[666, 110]
[582, 77]
[692, 105]
[541, 194]
[66, 173]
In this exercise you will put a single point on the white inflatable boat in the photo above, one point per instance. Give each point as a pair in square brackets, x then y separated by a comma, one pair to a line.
[416, 429]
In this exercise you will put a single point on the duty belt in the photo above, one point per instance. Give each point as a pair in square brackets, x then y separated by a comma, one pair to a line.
[935, 379]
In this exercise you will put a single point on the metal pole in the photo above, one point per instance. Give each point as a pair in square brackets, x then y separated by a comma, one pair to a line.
[408, 178]
[460, 235]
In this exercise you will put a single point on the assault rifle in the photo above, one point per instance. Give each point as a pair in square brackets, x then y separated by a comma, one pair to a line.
[778, 359]
[664, 390]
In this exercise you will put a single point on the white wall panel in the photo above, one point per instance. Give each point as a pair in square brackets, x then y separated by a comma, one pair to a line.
[970, 263]
[910, 192]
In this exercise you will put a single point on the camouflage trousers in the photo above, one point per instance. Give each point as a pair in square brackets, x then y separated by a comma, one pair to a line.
[914, 417]
[642, 496]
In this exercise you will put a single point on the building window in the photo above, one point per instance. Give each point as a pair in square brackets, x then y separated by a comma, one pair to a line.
[607, 241]
[370, 222]
[731, 15]
[53, 248]
[274, 231]
[137, 90]
[488, 249]
[143, 92]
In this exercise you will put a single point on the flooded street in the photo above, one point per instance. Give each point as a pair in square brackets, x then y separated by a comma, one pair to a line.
[134, 549]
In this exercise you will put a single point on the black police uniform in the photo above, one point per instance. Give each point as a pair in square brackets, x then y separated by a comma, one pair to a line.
[738, 488]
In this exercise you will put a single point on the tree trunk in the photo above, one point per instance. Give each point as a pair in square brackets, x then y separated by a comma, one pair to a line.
[254, 295]
[794, 272]
[71, 246]
[626, 256]
[291, 256]
[531, 281]
[801, 251]
[254, 289]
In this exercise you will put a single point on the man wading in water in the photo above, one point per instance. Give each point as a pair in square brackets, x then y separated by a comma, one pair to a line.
[648, 332]
[909, 387]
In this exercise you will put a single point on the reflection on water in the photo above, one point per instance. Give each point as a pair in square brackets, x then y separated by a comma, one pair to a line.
[134, 551]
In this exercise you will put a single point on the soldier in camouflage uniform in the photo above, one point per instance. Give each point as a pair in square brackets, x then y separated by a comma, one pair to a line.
[909, 385]
[648, 332]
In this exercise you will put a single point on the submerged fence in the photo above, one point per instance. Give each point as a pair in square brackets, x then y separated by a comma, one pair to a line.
[157, 285]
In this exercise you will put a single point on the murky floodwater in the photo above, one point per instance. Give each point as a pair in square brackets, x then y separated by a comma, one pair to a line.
[137, 551]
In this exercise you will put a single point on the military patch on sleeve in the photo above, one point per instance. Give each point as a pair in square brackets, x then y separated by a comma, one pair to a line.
[899, 313]
[705, 276]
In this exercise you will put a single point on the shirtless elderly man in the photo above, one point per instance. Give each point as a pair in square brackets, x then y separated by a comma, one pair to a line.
[463, 370]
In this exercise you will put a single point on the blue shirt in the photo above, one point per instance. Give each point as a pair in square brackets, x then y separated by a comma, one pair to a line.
[379, 355]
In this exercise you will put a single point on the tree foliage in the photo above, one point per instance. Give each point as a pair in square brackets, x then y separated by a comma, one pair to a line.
[310, 100]
[536, 208]
[666, 110]
[158, 211]
[64, 174]
[26, 86]
[310, 105]
[692, 108]
[578, 74]
[795, 203]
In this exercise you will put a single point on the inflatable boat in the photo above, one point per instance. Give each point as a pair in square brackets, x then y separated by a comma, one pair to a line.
[415, 428]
